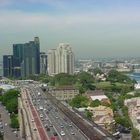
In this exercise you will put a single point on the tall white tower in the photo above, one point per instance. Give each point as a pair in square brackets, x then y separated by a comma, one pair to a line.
[64, 59]
[51, 62]
[61, 60]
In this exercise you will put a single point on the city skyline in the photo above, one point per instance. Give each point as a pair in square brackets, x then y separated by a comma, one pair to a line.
[93, 28]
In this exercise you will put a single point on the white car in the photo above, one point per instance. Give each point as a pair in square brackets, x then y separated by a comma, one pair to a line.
[41, 115]
[5, 124]
[41, 107]
[62, 133]
[32, 120]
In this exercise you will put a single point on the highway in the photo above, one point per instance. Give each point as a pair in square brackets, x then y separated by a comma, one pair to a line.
[33, 126]
[52, 118]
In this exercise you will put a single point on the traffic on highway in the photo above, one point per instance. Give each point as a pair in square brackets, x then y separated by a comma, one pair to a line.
[55, 123]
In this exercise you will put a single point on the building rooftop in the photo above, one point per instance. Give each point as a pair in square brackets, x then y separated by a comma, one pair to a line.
[65, 88]
[94, 92]
[98, 97]
[7, 87]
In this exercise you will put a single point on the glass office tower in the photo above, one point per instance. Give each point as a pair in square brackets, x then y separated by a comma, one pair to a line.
[8, 65]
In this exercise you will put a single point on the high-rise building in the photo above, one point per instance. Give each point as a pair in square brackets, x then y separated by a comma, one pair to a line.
[43, 63]
[31, 58]
[64, 59]
[18, 51]
[51, 62]
[8, 65]
[61, 60]
[26, 59]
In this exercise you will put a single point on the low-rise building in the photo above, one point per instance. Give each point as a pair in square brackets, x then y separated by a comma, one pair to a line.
[102, 115]
[126, 136]
[65, 92]
[97, 95]
[6, 87]
[133, 105]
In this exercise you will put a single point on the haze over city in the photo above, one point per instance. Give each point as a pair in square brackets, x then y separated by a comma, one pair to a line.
[94, 28]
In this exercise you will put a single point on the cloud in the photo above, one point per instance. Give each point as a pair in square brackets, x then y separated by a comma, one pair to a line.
[32, 20]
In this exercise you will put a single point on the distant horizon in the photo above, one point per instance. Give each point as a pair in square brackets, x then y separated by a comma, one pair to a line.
[94, 58]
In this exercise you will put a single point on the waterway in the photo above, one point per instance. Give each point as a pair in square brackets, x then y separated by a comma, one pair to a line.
[135, 76]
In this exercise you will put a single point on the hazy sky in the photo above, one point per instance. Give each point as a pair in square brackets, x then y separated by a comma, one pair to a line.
[94, 28]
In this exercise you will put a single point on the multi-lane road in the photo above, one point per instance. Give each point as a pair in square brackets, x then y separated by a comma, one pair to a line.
[54, 122]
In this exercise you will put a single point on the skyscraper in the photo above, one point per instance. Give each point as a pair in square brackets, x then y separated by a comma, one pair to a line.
[61, 60]
[51, 62]
[31, 58]
[18, 51]
[64, 59]
[26, 59]
[8, 65]
[43, 63]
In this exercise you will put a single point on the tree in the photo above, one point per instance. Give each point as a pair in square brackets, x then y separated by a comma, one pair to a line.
[97, 71]
[135, 134]
[9, 99]
[12, 105]
[64, 79]
[125, 110]
[115, 76]
[85, 80]
[14, 121]
[124, 121]
[88, 114]
[104, 103]
[79, 101]
[0, 90]
[95, 103]
[121, 101]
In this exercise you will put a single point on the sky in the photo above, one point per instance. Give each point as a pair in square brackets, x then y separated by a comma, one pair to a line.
[94, 28]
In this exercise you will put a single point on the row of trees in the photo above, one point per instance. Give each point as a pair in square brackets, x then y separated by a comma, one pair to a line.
[116, 81]
[10, 101]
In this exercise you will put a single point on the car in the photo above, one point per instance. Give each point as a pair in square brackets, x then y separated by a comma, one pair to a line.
[72, 132]
[5, 124]
[46, 125]
[41, 107]
[32, 120]
[15, 132]
[41, 115]
[70, 125]
[34, 129]
[51, 125]
[61, 125]
[48, 129]
[55, 134]
[2, 132]
[62, 133]
[56, 117]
